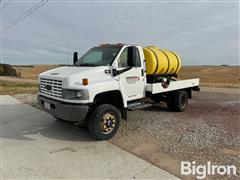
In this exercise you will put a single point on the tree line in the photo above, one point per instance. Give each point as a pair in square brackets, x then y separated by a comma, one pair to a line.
[7, 70]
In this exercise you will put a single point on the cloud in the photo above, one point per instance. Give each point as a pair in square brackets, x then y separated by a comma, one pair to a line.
[202, 33]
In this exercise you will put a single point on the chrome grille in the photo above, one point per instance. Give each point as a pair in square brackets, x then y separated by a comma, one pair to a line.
[51, 87]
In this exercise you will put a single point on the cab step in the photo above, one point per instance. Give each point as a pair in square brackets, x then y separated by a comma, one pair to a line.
[138, 105]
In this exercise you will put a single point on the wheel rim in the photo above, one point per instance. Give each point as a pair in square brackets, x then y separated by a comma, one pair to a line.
[183, 102]
[108, 122]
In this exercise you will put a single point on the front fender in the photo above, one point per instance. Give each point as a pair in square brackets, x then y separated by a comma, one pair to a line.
[104, 86]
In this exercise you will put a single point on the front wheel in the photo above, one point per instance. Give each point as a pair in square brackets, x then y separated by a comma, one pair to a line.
[104, 122]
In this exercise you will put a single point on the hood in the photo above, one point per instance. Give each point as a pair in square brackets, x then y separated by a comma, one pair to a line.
[65, 71]
[74, 74]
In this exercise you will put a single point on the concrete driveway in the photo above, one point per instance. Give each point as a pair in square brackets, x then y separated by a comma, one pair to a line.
[35, 145]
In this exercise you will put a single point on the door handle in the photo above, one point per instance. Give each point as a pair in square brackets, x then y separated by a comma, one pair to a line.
[142, 72]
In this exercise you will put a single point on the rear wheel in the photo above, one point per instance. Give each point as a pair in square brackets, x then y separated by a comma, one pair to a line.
[104, 122]
[177, 101]
[180, 101]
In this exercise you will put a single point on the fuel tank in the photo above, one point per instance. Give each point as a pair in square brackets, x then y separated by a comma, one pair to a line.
[160, 61]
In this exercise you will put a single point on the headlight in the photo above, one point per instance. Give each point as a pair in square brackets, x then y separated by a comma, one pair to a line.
[81, 94]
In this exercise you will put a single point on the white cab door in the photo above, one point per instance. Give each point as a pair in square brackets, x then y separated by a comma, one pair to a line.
[131, 73]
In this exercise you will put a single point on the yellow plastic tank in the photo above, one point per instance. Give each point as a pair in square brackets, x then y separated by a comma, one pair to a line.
[161, 62]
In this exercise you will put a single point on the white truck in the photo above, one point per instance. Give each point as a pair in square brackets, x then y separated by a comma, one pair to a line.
[104, 84]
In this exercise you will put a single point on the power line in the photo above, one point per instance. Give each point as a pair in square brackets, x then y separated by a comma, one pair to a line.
[4, 5]
[24, 15]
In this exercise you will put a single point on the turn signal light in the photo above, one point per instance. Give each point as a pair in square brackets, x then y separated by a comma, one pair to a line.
[85, 82]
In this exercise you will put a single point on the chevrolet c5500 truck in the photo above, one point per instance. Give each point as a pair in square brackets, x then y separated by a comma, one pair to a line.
[109, 80]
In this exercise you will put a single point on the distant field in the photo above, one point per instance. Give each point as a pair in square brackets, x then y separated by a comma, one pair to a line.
[210, 76]
[32, 71]
[213, 76]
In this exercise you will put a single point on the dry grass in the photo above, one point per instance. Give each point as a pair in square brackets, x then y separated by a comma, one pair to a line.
[32, 72]
[210, 76]
[12, 88]
[27, 81]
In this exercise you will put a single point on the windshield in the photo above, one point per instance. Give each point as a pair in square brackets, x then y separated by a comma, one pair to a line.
[98, 56]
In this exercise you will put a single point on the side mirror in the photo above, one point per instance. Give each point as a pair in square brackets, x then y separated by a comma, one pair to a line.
[114, 72]
[75, 57]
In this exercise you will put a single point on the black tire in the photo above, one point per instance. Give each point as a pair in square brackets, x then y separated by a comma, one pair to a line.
[180, 101]
[95, 121]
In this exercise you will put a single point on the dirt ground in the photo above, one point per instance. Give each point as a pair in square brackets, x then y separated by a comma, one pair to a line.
[209, 130]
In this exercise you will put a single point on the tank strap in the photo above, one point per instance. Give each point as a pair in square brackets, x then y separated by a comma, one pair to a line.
[178, 60]
[156, 59]
[167, 59]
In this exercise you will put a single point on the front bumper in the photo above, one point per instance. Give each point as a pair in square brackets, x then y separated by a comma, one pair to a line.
[65, 111]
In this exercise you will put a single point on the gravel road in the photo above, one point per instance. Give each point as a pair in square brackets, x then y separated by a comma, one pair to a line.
[209, 130]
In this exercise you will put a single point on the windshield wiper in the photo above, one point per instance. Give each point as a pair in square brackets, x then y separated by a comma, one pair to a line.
[87, 64]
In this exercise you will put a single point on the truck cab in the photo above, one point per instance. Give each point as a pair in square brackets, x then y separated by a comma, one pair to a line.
[103, 84]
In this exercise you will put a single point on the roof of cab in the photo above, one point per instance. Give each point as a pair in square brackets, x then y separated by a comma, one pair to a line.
[112, 45]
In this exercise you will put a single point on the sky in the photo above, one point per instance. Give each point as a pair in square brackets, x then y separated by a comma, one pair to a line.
[202, 33]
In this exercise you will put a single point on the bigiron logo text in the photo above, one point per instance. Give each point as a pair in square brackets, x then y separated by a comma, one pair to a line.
[201, 171]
